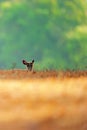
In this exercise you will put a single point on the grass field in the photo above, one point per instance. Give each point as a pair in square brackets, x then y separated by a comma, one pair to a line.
[43, 100]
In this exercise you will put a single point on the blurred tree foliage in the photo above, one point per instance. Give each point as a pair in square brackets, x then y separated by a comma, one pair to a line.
[53, 32]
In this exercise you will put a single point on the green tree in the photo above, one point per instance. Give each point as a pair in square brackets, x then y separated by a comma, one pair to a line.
[47, 30]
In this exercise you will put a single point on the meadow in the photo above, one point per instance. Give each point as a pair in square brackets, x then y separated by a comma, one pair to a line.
[43, 100]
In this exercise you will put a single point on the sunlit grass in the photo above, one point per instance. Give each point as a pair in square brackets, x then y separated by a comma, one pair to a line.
[62, 102]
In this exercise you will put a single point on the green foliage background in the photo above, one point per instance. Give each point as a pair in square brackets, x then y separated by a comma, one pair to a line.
[53, 32]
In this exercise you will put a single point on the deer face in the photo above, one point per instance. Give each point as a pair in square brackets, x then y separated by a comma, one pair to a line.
[29, 65]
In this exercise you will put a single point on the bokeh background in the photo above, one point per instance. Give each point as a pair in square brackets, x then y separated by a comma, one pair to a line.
[52, 32]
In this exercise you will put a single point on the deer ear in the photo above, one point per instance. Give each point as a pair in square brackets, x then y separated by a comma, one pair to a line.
[33, 61]
[24, 62]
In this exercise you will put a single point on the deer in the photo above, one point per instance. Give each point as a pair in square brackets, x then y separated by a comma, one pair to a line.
[29, 65]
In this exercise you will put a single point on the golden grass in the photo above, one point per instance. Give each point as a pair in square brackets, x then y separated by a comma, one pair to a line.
[42, 101]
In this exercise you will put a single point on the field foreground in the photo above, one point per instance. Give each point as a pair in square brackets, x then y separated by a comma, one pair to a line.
[50, 103]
